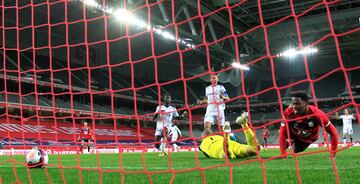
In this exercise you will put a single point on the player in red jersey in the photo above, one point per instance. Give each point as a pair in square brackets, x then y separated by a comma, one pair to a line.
[86, 135]
[304, 131]
[265, 136]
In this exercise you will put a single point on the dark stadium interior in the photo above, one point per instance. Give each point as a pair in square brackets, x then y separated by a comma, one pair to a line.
[83, 85]
[143, 64]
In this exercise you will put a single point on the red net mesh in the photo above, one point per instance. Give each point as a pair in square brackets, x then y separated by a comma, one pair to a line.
[52, 51]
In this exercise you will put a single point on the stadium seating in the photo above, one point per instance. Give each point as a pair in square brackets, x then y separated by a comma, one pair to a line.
[104, 133]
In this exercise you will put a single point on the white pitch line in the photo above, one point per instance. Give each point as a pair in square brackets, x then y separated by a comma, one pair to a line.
[103, 167]
[157, 168]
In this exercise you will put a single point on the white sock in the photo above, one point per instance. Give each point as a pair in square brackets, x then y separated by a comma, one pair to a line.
[344, 140]
[162, 146]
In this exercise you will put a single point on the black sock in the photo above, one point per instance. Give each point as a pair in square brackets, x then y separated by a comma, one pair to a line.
[351, 139]
[89, 149]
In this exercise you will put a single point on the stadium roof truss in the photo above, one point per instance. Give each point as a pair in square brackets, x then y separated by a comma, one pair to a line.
[245, 16]
[314, 24]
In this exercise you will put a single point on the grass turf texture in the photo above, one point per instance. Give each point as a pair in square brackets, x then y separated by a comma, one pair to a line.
[129, 168]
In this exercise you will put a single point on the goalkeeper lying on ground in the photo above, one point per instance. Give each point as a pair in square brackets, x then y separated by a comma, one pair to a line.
[213, 146]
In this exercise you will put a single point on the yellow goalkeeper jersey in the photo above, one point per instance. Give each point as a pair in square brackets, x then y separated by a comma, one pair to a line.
[213, 146]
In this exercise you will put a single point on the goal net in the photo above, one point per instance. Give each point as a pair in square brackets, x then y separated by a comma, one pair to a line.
[109, 63]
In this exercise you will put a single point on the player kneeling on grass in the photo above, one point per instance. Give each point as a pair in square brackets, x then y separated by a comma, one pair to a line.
[85, 136]
[36, 158]
[213, 146]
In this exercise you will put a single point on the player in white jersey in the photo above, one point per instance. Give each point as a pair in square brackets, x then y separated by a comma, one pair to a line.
[215, 96]
[163, 115]
[174, 132]
[347, 124]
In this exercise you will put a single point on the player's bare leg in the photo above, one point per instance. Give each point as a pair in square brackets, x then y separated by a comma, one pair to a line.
[265, 144]
[82, 146]
[157, 142]
[163, 142]
[344, 139]
[85, 145]
[90, 145]
[207, 130]
[176, 147]
[162, 147]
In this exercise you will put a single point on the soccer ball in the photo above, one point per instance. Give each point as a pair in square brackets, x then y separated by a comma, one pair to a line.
[37, 158]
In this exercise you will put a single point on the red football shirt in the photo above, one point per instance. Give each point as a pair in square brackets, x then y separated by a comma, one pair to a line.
[307, 129]
[85, 133]
[265, 134]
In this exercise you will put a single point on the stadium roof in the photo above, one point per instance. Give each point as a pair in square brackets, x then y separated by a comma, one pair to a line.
[281, 29]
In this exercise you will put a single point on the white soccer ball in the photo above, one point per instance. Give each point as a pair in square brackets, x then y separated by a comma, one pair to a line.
[37, 158]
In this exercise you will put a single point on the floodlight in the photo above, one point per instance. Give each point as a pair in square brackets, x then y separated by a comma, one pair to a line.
[238, 65]
[92, 3]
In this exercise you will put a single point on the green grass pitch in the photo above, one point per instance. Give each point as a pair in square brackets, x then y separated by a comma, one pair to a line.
[183, 167]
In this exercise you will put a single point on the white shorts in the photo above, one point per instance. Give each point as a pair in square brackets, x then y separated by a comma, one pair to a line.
[159, 131]
[212, 118]
[348, 131]
[174, 138]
